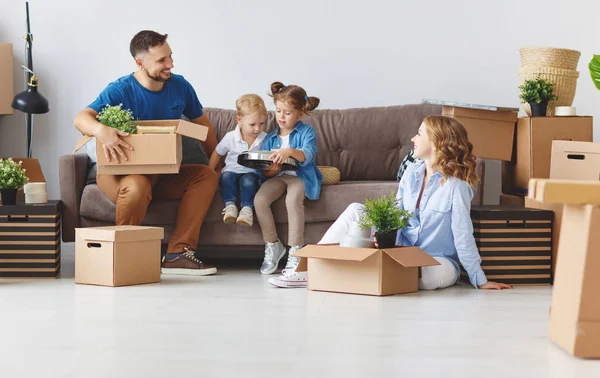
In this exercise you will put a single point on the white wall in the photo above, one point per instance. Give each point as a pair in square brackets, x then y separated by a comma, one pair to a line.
[350, 54]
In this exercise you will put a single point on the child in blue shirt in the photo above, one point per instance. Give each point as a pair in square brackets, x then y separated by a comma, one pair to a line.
[297, 140]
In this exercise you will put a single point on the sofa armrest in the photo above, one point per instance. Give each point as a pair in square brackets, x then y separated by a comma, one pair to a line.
[73, 177]
[478, 192]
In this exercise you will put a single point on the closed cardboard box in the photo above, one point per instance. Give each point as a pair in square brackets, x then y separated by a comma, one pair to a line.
[117, 255]
[158, 153]
[575, 160]
[533, 148]
[7, 81]
[363, 270]
[575, 311]
[490, 132]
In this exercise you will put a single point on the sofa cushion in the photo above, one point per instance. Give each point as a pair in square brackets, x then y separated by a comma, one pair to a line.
[333, 201]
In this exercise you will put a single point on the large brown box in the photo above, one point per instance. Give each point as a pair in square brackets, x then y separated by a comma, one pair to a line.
[515, 244]
[30, 240]
[153, 153]
[7, 81]
[533, 148]
[575, 312]
[490, 132]
[117, 255]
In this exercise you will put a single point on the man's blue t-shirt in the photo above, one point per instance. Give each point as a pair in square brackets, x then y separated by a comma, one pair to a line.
[177, 98]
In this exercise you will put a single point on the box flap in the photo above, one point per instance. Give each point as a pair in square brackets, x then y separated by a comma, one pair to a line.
[411, 257]
[189, 129]
[121, 233]
[32, 167]
[81, 142]
[335, 252]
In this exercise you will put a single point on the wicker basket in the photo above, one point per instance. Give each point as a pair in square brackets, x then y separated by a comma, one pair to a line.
[549, 57]
[565, 84]
[331, 175]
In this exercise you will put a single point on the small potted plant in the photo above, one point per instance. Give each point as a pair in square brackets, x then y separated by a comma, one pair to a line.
[385, 216]
[537, 93]
[118, 118]
[594, 67]
[12, 177]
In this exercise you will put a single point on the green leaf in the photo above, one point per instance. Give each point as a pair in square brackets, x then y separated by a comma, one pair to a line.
[594, 67]
[384, 214]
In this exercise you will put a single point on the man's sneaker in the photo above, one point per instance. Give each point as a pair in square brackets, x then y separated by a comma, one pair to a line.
[293, 261]
[230, 214]
[289, 278]
[273, 253]
[246, 218]
[186, 264]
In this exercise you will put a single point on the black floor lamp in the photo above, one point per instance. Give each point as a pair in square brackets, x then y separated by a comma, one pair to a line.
[30, 101]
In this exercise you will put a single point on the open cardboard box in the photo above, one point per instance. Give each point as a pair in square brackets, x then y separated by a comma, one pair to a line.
[153, 153]
[33, 171]
[363, 270]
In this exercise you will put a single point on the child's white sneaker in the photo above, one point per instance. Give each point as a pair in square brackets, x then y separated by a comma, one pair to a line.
[289, 279]
[246, 217]
[273, 253]
[293, 261]
[230, 214]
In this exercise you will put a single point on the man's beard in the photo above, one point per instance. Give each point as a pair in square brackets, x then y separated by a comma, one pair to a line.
[158, 78]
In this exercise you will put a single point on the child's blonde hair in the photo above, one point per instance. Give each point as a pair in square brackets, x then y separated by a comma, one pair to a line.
[249, 104]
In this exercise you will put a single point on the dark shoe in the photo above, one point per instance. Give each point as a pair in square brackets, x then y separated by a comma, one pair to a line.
[186, 264]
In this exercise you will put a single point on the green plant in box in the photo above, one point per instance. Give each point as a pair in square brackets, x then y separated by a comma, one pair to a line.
[385, 215]
[118, 118]
[594, 67]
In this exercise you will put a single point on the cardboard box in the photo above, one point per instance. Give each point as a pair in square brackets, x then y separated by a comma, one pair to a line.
[575, 160]
[363, 270]
[512, 200]
[490, 132]
[557, 208]
[575, 315]
[153, 153]
[7, 82]
[574, 192]
[533, 148]
[117, 255]
[33, 171]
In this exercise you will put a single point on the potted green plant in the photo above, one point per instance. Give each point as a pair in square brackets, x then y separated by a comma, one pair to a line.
[385, 216]
[594, 67]
[537, 93]
[118, 118]
[12, 177]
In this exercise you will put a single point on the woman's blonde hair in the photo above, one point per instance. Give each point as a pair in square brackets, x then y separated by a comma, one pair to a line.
[453, 151]
[249, 104]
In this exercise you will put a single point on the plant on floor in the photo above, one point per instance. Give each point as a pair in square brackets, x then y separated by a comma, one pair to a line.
[537, 93]
[118, 118]
[12, 175]
[594, 67]
[385, 215]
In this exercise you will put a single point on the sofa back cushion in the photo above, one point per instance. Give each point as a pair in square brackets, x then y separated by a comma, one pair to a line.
[363, 143]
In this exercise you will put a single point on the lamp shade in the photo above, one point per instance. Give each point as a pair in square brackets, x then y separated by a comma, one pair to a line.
[30, 101]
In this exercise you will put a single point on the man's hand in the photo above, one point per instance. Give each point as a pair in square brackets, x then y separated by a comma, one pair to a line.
[273, 170]
[490, 285]
[112, 144]
[279, 155]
